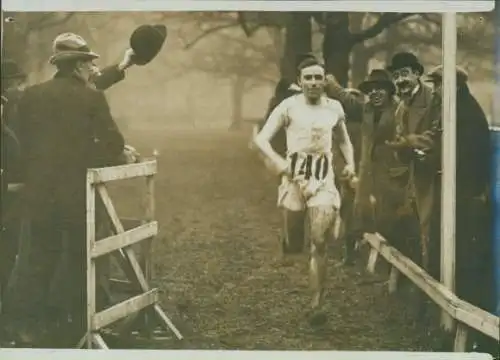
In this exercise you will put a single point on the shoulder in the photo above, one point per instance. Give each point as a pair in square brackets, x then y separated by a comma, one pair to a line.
[334, 105]
[291, 101]
[427, 92]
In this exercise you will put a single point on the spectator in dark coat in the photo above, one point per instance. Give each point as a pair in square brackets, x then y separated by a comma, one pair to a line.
[65, 127]
[9, 162]
[13, 84]
[474, 246]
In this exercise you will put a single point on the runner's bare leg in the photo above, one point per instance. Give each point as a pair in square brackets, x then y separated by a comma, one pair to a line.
[294, 231]
[321, 220]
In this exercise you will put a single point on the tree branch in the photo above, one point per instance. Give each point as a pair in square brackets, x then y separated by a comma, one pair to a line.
[208, 32]
[385, 20]
[49, 20]
[243, 24]
[429, 18]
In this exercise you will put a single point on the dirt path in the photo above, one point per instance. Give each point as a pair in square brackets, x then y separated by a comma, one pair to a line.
[216, 260]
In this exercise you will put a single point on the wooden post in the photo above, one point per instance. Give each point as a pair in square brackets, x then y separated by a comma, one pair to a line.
[448, 213]
[148, 244]
[91, 271]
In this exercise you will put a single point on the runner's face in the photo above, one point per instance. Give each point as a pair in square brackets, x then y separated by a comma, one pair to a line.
[312, 81]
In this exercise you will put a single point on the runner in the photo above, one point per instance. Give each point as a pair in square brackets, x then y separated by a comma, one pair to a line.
[311, 121]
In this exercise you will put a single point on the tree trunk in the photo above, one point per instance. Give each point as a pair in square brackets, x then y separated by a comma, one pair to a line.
[359, 64]
[238, 93]
[392, 41]
[298, 40]
[359, 56]
[337, 46]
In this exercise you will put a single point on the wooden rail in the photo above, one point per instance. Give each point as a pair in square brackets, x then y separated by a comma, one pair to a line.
[120, 245]
[466, 315]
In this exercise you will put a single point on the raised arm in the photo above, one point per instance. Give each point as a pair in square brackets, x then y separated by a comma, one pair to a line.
[275, 121]
[334, 90]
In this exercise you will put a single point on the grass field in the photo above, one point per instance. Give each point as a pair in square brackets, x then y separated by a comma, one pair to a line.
[216, 259]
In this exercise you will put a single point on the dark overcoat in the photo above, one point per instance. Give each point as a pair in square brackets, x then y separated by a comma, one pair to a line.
[65, 127]
[421, 117]
[377, 165]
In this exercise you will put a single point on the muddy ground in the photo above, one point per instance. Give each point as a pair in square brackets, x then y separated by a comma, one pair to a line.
[217, 259]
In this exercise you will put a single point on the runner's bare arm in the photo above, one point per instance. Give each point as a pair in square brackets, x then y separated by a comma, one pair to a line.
[341, 136]
[262, 141]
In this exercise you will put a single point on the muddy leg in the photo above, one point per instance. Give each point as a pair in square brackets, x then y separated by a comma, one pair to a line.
[294, 232]
[321, 219]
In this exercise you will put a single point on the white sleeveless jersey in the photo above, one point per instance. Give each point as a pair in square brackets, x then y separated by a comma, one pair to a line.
[309, 132]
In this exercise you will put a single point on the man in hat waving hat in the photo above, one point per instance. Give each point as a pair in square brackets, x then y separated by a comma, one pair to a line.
[65, 128]
[417, 143]
[376, 190]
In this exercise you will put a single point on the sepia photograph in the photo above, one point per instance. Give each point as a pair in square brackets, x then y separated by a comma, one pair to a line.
[249, 180]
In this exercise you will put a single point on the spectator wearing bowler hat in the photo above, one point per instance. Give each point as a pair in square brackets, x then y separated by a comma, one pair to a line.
[54, 175]
[418, 143]
[378, 195]
[474, 248]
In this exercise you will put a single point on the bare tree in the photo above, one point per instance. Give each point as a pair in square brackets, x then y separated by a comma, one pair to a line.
[339, 39]
[26, 27]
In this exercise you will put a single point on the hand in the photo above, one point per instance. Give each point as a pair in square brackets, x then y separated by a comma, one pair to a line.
[354, 183]
[331, 79]
[399, 142]
[412, 140]
[131, 155]
[348, 172]
[128, 60]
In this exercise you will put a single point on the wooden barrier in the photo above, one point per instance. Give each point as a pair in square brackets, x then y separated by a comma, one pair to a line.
[466, 315]
[120, 245]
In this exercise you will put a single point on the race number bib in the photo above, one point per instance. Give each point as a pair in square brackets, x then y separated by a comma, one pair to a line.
[309, 166]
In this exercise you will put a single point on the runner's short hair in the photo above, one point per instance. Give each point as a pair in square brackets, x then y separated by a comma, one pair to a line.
[309, 62]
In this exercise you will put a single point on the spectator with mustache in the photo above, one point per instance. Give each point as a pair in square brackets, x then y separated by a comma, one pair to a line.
[418, 143]
[377, 189]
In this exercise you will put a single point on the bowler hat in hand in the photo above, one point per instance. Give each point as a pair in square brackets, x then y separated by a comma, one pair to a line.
[405, 59]
[377, 77]
[147, 41]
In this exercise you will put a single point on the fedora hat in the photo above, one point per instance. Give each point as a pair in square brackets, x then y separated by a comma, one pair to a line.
[377, 77]
[10, 70]
[69, 46]
[436, 74]
[405, 59]
[147, 41]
